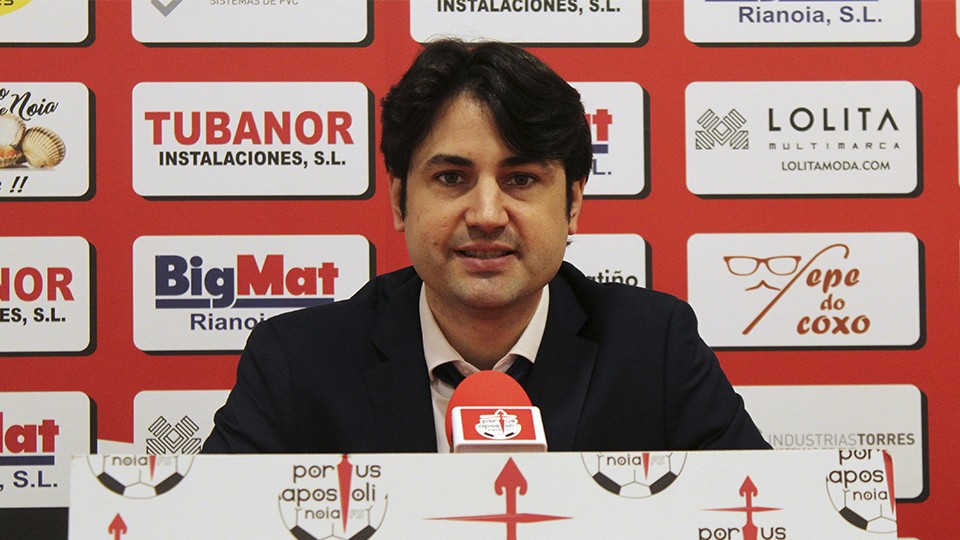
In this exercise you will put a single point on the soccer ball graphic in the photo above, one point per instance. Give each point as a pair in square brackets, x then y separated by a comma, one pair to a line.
[139, 477]
[862, 509]
[862, 492]
[634, 475]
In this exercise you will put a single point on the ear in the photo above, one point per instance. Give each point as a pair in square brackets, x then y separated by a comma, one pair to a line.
[576, 203]
[395, 188]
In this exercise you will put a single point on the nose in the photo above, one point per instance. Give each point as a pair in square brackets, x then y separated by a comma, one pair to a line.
[486, 206]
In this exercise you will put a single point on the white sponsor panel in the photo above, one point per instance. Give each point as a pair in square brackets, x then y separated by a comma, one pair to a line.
[888, 417]
[610, 258]
[39, 433]
[806, 290]
[205, 293]
[45, 21]
[174, 422]
[529, 21]
[615, 112]
[107, 446]
[250, 139]
[800, 21]
[44, 140]
[45, 301]
[251, 21]
[552, 495]
[802, 138]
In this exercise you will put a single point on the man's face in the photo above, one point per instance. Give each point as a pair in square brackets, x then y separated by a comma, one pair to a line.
[486, 228]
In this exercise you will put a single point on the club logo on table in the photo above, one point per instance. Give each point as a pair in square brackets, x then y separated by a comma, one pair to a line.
[806, 290]
[635, 475]
[139, 477]
[749, 530]
[333, 500]
[510, 484]
[863, 494]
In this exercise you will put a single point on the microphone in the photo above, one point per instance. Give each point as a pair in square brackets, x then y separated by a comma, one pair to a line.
[490, 412]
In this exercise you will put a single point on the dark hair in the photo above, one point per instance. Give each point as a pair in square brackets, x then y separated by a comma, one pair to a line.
[537, 113]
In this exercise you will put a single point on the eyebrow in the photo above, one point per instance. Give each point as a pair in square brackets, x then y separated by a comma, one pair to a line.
[447, 159]
[460, 161]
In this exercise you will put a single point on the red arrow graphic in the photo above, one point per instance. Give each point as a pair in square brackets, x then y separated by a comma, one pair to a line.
[509, 482]
[888, 469]
[749, 490]
[345, 475]
[117, 527]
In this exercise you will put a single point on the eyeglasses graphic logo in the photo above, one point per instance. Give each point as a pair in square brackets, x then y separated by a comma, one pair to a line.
[783, 265]
[165, 8]
[722, 131]
[829, 281]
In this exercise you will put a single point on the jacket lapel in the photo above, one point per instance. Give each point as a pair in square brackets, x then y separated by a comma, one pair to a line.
[561, 374]
[399, 386]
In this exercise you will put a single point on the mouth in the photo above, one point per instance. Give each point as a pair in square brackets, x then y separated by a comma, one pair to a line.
[484, 254]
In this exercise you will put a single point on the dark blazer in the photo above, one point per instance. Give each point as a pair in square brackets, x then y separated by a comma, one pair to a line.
[619, 368]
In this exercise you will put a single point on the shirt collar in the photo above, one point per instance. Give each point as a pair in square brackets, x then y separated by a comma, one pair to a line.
[437, 350]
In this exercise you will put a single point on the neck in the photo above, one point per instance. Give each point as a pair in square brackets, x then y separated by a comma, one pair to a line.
[483, 337]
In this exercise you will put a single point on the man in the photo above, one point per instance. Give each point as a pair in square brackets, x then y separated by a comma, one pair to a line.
[488, 152]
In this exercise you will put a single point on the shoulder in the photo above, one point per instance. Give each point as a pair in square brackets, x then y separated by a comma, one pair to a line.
[355, 315]
[618, 298]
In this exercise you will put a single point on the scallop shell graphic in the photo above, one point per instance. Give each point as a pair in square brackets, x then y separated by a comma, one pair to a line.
[8, 155]
[42, 147]
[11, 130]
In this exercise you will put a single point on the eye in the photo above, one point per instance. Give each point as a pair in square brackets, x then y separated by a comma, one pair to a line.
[522, 180]
[450, 178]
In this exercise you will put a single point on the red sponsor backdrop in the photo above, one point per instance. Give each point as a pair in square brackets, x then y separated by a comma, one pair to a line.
[115, 216]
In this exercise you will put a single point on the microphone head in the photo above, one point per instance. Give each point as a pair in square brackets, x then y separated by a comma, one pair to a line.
[484, 388]
[494, 399]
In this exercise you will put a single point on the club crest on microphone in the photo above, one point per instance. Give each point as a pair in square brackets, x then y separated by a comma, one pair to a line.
[500, 425]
